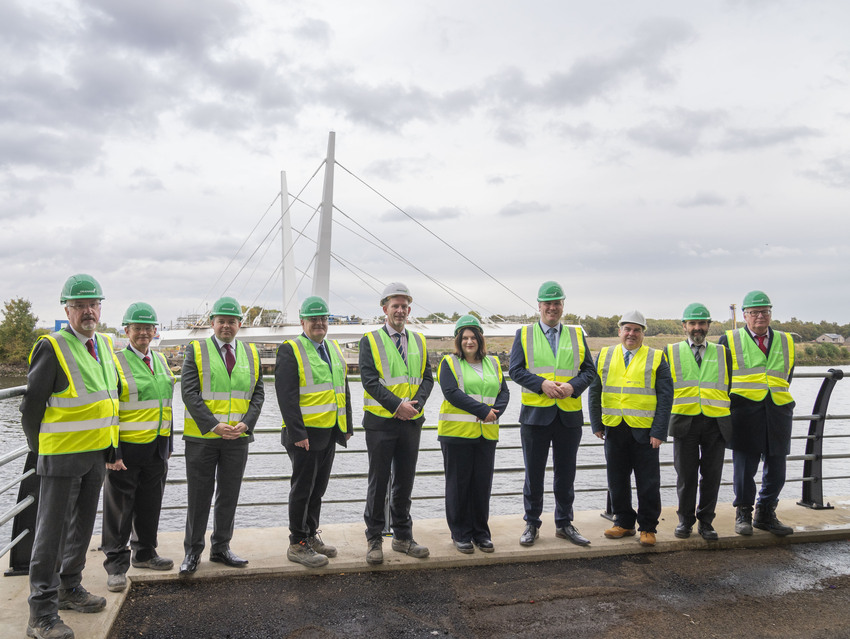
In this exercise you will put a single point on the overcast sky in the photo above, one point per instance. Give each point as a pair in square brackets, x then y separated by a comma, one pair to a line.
[644, 154]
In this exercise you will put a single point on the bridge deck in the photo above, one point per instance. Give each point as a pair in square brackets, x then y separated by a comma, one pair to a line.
[266, 550]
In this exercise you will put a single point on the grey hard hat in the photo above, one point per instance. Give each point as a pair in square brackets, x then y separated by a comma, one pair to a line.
[396, 288]
[633, 317]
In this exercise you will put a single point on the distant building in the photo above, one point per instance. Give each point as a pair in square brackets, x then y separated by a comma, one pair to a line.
[830, 338]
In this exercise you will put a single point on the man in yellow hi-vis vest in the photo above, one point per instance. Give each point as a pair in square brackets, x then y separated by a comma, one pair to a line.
[762, 363]
[630, 406]
[222, 390]
[397, 380]
[70, 419]
[311, 384]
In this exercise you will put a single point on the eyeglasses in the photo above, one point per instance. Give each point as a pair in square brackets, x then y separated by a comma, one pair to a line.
[321, 319]
[759, 313]
[143, 328]
[84, 306]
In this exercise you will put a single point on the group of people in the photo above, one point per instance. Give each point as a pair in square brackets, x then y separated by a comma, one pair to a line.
[94, 417]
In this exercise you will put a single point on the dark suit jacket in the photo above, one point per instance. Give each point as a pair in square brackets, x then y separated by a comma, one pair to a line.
[459, 399]
[664, 403]
[286, 384]
[190, 385]
[680, 425]
[45, 377]
[371, 381]
[760, 427]
[543, 416]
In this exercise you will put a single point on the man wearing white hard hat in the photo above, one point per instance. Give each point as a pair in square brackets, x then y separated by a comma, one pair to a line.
[630, 405]
[397, 381]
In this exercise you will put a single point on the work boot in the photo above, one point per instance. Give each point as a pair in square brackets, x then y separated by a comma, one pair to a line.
[744, 520]
[410, 547]
[117, 582]
[302, 553]
[765, 519]
[375, 554]
[81, 600]
[48, 627]
[320, 547]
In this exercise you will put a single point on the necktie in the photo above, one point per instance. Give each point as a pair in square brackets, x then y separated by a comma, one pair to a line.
[397, 338]
[697, 354]
[147, 361]
[323, 353]
[762, 345]
[229, 358]
[90, 347]
[552, 335]
[627, 357]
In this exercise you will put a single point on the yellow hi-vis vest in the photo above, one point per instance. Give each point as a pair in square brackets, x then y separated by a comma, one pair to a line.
[321, 389]
[402, 380]
[84, 416]
[454, 422]
[145, 408]
[628, 392]
[540, 360]
[699, 389]
[226, 396]
[754, 373]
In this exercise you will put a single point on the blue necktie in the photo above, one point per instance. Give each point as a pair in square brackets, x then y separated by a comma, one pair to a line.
[397, 338]
[627, 357]
[552, 335]
[324, 353]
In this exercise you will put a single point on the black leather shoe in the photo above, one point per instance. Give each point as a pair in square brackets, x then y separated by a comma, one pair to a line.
[484, 545]
[228, 558]
[570, 532]
[529, 535]
[465, 547]
[189, 565]
[683, 531]
[707, 531]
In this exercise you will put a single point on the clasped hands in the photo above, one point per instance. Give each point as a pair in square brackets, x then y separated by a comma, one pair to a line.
[557, 390]
[226, 431]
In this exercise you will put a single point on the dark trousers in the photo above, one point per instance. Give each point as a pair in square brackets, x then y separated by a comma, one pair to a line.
[67, 507]
[564, 441]
[311, 470]
[469, 479]
[624, 454]
[698, 459]
[208, 469]
[132, 500]
[395, 450]
[744, 468]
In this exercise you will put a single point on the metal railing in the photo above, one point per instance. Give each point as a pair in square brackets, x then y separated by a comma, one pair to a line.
[812, 478]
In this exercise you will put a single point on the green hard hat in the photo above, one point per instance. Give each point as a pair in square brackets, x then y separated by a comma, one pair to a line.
[696, 311]
[313, 306]
[550, 291]
[139, 313]
[755, 298]
[465, 322]
[226, 306]
[81, 287]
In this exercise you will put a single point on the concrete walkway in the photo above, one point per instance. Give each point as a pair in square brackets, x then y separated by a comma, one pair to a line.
[266, 550]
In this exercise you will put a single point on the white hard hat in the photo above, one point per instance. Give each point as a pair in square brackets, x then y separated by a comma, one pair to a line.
[633, 317]
[396, 288]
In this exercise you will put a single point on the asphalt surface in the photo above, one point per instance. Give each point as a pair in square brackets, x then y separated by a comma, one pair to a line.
[799, 590]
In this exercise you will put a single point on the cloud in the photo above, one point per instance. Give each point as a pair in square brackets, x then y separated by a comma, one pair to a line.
[315, 31]
[702, 199]
[746, 139]
[834, 172]
[145, 180]
[695, 249]
[422, 214]
[396, 169]
[679, 132]
[516, 209]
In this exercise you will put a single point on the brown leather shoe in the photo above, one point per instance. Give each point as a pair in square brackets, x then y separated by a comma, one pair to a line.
[618, 532]
[647, 538]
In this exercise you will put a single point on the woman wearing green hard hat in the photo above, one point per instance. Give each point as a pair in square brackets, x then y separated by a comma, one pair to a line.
[475, 395]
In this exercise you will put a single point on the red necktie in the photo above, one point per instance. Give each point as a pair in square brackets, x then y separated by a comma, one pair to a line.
[762, 346]
[229, 358]
[147, 360]
[90, 347]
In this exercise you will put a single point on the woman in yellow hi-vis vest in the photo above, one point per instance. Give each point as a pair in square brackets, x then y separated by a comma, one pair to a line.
[475, 395]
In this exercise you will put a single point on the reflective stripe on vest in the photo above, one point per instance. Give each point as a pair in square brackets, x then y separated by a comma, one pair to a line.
[226, 396]
[699, 389]
[321, 390]
[402, 380]
[454, 422]
[540, 360]
[754, 374]
[84, 416]
[628, 392]
[145, 401]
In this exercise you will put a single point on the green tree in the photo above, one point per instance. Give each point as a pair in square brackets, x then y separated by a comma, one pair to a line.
[17, 331]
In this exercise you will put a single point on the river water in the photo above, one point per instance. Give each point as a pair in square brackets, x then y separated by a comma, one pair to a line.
[274, 461]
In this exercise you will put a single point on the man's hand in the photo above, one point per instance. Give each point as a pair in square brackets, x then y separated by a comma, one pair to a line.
[118, 465]
[600, 434]
[492, 416]
[226, 431]
[556, 390]
[304, 443]
[407, 410]
[655, 442]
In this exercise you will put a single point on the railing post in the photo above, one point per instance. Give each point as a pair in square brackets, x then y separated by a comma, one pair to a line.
[19, 555]
[388, 514]
[813, 467]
